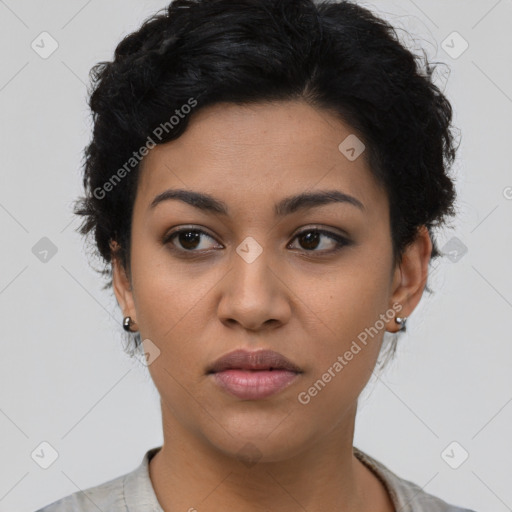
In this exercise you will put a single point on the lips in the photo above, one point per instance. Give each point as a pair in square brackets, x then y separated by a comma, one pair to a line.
[253, 375]
[260, 360]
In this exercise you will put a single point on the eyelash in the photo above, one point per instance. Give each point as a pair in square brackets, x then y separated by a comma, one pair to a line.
[341, 241]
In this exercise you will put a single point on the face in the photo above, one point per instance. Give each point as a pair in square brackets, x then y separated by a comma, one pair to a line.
[307, 279]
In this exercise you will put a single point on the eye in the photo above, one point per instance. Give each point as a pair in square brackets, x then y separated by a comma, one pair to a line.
[311, 239]
[188, 238]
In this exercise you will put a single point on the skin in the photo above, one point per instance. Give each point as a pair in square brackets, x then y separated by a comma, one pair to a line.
[295, 298]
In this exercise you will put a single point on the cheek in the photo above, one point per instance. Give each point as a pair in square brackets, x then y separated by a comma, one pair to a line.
[349, 308]
[356, 294]
[168, 296]
[343, 356]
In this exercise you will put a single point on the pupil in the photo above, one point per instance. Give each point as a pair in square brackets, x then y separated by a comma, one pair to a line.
[311, 240]
[188, 237]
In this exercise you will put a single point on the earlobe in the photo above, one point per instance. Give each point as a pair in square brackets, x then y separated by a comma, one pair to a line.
[411, 276]
[121, 285]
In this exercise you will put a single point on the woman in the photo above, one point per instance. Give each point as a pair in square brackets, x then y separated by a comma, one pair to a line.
[262, 184]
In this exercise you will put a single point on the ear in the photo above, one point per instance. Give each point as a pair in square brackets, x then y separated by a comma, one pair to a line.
[411, 275]
[122, 286]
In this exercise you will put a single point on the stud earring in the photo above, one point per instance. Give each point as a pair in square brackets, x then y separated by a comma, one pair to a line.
[127, 322]
[401, 321]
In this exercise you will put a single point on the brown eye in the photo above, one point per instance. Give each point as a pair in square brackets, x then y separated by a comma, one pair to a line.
[187, 240]
[311, 239]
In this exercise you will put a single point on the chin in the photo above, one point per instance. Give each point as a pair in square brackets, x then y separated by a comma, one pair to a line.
[258, 438]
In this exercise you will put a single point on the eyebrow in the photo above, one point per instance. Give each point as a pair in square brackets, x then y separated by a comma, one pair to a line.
[286, 206]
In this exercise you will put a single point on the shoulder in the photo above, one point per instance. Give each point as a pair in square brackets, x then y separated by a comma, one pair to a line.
[406, 495]
[129, 492]
[106, 496]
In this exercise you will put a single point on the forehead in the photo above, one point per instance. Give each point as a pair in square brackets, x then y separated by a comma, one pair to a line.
[259, 153]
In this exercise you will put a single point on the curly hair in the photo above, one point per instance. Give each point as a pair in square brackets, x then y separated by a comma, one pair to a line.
[337, 56]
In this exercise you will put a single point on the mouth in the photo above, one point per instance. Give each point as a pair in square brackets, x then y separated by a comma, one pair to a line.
[253, 375]
[253, 360]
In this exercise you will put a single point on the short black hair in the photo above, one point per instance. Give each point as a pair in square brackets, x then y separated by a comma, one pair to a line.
[337, 56]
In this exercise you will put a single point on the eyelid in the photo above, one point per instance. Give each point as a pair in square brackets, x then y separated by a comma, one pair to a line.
[340, 241]
[328, 231]
[168, 235]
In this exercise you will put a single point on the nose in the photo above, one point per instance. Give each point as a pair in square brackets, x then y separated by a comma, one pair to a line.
[255, 294]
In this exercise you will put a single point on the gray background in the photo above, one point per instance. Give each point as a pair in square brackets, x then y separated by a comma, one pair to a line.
[64, 378]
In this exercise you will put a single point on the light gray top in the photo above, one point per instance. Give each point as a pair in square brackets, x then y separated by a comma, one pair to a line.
[133, 492]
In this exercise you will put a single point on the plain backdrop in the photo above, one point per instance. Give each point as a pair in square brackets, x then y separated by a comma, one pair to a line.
[64, 378]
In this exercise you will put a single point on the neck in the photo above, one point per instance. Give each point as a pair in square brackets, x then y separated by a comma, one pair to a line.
[189, 473]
